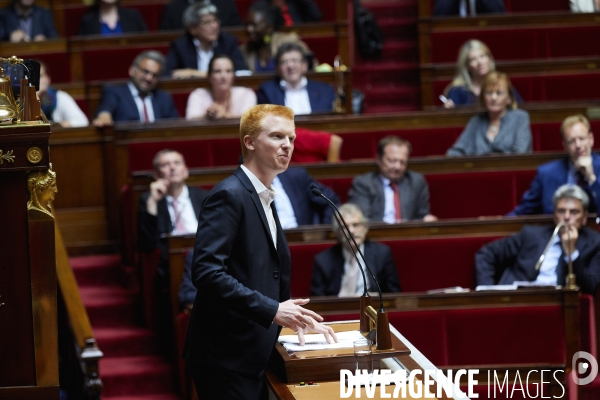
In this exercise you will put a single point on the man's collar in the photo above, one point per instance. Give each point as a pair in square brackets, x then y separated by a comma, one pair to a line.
[199, 46]
[185, 193]
[258, 185]
[286, 86]
[135, 92]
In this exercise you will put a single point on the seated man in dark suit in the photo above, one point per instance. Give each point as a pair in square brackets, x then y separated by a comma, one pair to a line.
[190, 55]
[291, 88]
[139, 99]
[514, 258]
[171, 18]
[23, 21]
[581, 167]
[169, 207]
[335, 271]
[395, 193]
[296, 204]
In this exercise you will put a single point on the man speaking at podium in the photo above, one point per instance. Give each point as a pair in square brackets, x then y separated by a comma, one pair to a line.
[241, 268]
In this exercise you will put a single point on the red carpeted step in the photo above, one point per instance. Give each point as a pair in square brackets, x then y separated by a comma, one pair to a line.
[399, 28]
[110, 306]
[398, 50]
[388, 74]
[125, 342]
[135, 375]
[395, 9]
[95, 270]
[145, 397]
[389, 99]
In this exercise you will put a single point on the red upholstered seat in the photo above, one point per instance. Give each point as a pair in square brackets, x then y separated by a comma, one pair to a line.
[302, 264]
[324, 48]
[58, 65]
[197, 153]
[487, 336]
[466, 195]
[433, 263]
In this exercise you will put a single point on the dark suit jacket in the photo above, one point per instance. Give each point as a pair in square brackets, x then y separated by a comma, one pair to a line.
[241, 279]
[118, 101]
[151, 227]
[451, 7]
[308, 208]
[131, 21]
[321, 95]
[513, 258]
[550, 176]
[367, 193]
[329, 267]
[182, 53]
[173, 13]
[42, 22]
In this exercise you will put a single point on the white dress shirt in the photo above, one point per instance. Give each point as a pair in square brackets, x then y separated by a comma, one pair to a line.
[547, 275]
[185, 212]
[204, 57]
[140, 103]
[283, 205]
[389, 210]
[266, 196]
[297, 98]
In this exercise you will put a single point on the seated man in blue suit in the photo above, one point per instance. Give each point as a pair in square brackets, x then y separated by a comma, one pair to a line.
[23, 21]
[513, 259]
[291, 88]
[139, 99]
[190, 55]
[296, 204]
[581, 167]
[335, 271]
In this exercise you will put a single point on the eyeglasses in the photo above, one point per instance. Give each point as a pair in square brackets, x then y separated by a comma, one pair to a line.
[144, 71]
[208, 22]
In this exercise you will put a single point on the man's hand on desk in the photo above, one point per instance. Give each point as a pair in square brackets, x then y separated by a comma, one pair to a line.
[291, 315]
[316, 327]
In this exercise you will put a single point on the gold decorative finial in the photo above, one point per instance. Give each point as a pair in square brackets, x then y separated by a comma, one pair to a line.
[42, 189]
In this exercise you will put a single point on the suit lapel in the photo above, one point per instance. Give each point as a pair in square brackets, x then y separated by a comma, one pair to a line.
[404, 192]
[379, 201]
[163, 209]
[130, 103]
[370, 260]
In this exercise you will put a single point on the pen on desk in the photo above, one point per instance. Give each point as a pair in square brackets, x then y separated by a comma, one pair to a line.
[443, 98]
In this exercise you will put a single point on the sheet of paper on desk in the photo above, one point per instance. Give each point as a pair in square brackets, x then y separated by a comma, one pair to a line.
[318, 342]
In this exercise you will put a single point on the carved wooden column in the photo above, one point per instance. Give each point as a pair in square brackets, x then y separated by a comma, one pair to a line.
[28, 321]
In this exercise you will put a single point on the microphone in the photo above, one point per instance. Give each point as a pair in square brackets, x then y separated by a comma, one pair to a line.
[570, 279]
[538, 264]
[317, 192]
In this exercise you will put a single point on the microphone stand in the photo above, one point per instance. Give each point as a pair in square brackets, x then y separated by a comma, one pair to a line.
[570, 278]
[365, 299]
[381, 317]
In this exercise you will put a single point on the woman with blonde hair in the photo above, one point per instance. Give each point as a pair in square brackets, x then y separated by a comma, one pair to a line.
[474, 62]
[502, 128]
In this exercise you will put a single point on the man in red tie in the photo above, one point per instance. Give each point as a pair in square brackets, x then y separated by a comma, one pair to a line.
[139, 99]
[394, 193]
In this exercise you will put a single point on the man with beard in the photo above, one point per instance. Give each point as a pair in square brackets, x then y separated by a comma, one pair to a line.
[138, 99]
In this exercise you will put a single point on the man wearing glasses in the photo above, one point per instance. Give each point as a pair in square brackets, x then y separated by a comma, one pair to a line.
[292, 89]
[189, 55]
[138, 99]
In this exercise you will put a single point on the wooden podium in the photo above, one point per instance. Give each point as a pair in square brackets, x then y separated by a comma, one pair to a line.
[28, 323]
[322, 367]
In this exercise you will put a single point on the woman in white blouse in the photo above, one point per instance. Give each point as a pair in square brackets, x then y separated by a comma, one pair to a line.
[222, 100]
